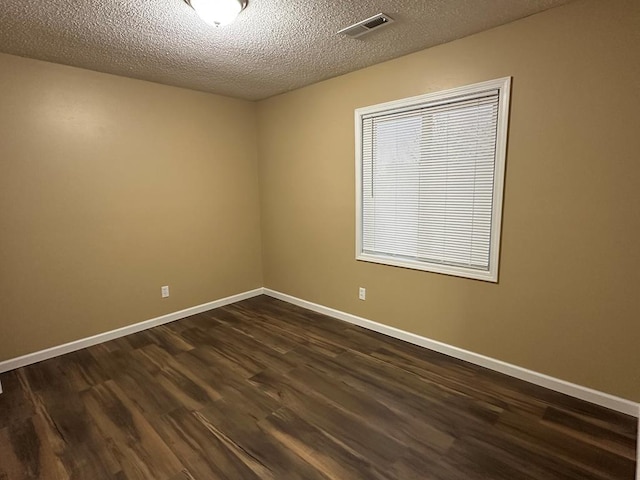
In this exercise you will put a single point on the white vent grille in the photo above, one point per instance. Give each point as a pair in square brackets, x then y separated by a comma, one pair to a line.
[368, 25]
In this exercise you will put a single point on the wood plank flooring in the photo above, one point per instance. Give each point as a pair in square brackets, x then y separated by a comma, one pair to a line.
[265, 390]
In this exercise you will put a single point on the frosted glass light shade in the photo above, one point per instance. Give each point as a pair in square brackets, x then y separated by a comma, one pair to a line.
[218, 12]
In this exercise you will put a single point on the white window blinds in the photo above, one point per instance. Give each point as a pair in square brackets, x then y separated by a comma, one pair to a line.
[428, 176]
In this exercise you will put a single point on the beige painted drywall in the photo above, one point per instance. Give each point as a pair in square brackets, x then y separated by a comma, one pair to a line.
[567, 302]
[111, 188]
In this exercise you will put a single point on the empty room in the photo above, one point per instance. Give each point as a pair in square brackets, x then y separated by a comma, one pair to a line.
[307, 240]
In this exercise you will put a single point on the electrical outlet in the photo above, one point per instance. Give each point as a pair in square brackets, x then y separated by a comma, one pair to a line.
[362, 293]
[165, 291]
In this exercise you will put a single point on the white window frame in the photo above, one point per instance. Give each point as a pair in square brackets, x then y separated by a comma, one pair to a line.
[503, 85]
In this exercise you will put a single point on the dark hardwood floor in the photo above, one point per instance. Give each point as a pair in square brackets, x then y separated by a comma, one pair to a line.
[266, 390]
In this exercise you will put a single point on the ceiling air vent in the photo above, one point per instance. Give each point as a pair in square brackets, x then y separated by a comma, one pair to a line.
[365, 26]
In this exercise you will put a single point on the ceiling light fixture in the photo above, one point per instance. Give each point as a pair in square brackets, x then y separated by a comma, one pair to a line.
[218, 12]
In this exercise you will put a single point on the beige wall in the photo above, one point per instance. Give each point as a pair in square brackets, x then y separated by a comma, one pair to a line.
[110, 188]
[567, 303]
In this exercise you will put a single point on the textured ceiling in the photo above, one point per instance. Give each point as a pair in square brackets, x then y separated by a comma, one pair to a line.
[274, 45]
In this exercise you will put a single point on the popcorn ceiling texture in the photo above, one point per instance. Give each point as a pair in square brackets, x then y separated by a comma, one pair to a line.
[273, 47]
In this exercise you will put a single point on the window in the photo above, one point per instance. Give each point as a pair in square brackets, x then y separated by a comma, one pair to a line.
[430, 174]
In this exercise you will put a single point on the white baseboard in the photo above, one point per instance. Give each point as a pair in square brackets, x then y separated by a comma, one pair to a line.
[594, 396]
[35, 357]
